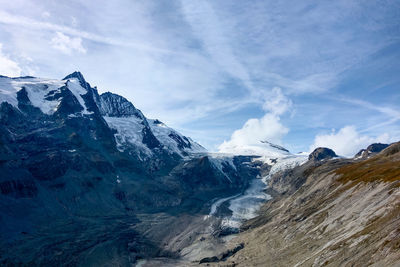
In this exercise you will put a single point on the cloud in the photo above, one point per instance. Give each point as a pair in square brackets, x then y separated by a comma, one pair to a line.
[46, 15]
[8, 67]
[277, 103]
[210, 64]
[206, 25]
[29, 23]
[254, 131]
[347, 141]
[67, 44]
[267, 128]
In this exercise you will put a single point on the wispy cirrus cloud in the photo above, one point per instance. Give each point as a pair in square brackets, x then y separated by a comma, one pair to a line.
[26, 22]
[215, 63]
[206, 26]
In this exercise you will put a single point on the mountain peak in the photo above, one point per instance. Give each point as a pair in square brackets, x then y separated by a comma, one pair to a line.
[370, 150]
[322, 153]
[275, 146]
[114, 105]
[78, 75]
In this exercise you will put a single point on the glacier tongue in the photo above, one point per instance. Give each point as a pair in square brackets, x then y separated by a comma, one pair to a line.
[245, 206]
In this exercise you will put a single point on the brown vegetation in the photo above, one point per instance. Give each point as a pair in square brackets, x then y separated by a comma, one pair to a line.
[383, 167]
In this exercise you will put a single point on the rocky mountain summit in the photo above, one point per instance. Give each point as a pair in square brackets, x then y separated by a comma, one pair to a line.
[371, 150]
[322, 153]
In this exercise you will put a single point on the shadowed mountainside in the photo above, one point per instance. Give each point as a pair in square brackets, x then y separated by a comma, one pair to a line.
[81, 173]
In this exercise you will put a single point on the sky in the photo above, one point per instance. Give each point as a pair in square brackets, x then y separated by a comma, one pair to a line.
[301, 74]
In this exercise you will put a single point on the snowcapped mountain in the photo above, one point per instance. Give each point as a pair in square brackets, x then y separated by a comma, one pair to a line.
[135, 130]
[73, 96]
[263, 148]
[71, 159]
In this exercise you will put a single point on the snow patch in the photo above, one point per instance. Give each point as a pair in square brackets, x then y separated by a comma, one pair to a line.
[171, 139]
[78, 91]
[264, 148]
[129, 133]
[285, 163]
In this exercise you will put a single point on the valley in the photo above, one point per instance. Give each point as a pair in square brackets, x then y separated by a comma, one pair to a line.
[88, 180]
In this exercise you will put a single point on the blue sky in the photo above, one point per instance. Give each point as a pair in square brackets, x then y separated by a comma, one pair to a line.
[298, 73]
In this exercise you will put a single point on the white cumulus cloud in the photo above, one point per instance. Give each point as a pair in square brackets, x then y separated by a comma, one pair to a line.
[347, 141]
[248, 139]
[67, 44]
[8, 67]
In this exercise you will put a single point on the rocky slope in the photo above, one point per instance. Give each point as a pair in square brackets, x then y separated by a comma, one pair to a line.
[330, 212]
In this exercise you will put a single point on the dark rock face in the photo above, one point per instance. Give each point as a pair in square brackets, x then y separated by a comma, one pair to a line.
[182, 142]
[370, 150]
[223, 256]
[322, 153]
[276, 146]
[117, 106]
[19, 188]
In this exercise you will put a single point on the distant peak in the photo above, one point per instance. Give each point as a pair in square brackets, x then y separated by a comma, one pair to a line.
[158, 122]
[370, 150]
[322, 153]
[275, 146]
[77, 75]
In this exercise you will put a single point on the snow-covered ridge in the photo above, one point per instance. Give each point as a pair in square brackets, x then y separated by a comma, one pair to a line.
[130, 133]
[284, 163]
[37, 89]
[41, 92]
[133, 129]
[263, 148]
[173, 140]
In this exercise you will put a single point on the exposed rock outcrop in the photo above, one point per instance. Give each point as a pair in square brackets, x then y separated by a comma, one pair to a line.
[370, 150]
[322, 153]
